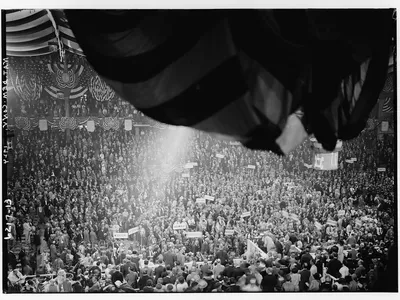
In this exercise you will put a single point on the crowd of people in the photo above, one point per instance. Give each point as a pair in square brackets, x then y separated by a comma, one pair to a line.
[70, 198]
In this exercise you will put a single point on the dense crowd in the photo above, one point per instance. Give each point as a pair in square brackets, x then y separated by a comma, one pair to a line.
[69, 199]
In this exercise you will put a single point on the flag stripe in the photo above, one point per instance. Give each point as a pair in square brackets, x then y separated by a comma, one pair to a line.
[13, 20]
[213, 95]
[32, 44]
[37, 52]
[29, 37]
[41, 23]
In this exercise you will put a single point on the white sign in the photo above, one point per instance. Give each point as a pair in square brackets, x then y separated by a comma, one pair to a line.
[186, 175]
[219, 155]
[133, 230]
[209, 198]
[90, 126]
[229, 232]
[285, 214]
[354, 159]
[43, 125]
[349, 161]
[294, 217]
[201, 200]
[120, 235]
[195, 234]
[385, 126]
[246, 214]
[251, 167]
[381, 169]
[188, 166]
[178, 226]
[194, 164]
[341, 213]
[318, 225]
[234, 143]
[331, 222]
[128, 124]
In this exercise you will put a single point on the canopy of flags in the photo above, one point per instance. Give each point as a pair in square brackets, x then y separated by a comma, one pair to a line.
[33, 32]
[245, 75]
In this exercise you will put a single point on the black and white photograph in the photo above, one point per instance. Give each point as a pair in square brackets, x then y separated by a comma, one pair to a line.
[202, 150]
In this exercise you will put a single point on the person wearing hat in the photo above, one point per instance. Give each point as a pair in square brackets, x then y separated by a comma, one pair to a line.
[208, 278]
[158, 288]
[181, 285]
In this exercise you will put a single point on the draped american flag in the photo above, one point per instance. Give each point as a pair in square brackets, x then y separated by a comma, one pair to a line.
[30, 32]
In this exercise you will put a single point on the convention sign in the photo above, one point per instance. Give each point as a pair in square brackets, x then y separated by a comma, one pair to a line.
[121, 235]
[219, 155]
[195, 234]
[178, 226]
[229, 232]
[201, 200]
[209, 198]
[252, 167]
[133, 230]
[246, 214]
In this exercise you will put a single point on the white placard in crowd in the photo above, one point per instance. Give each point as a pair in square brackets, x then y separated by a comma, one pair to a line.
[90, 126]
[43, 125]
[195, 234]
[331, 222]
[341, 213]
[385, 126]
[194, 164]
[349, 161]
[381, 169]
[178, 226]
[294, 217]
[185, 175]
[307, 166]
[229, 232]
[128, 124]
[251, 167]
[120, 235]
[133, 230]
[201, 200]
[219, 155]
[246, 214]
[354, 158]
[285, 214]
[188, 166]
[234, 143]
[209, 198]
[318, 225]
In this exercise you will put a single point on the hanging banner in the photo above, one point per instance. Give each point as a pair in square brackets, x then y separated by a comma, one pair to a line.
[133, 230]
[43, 125]
[246, 214]
[229, 231]
[209, 198]
[90, 126]
[128, 124]
[219, 155]
[120, 235]
[179, 226]
[195, 234]
[251, 167]
[201, 200]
